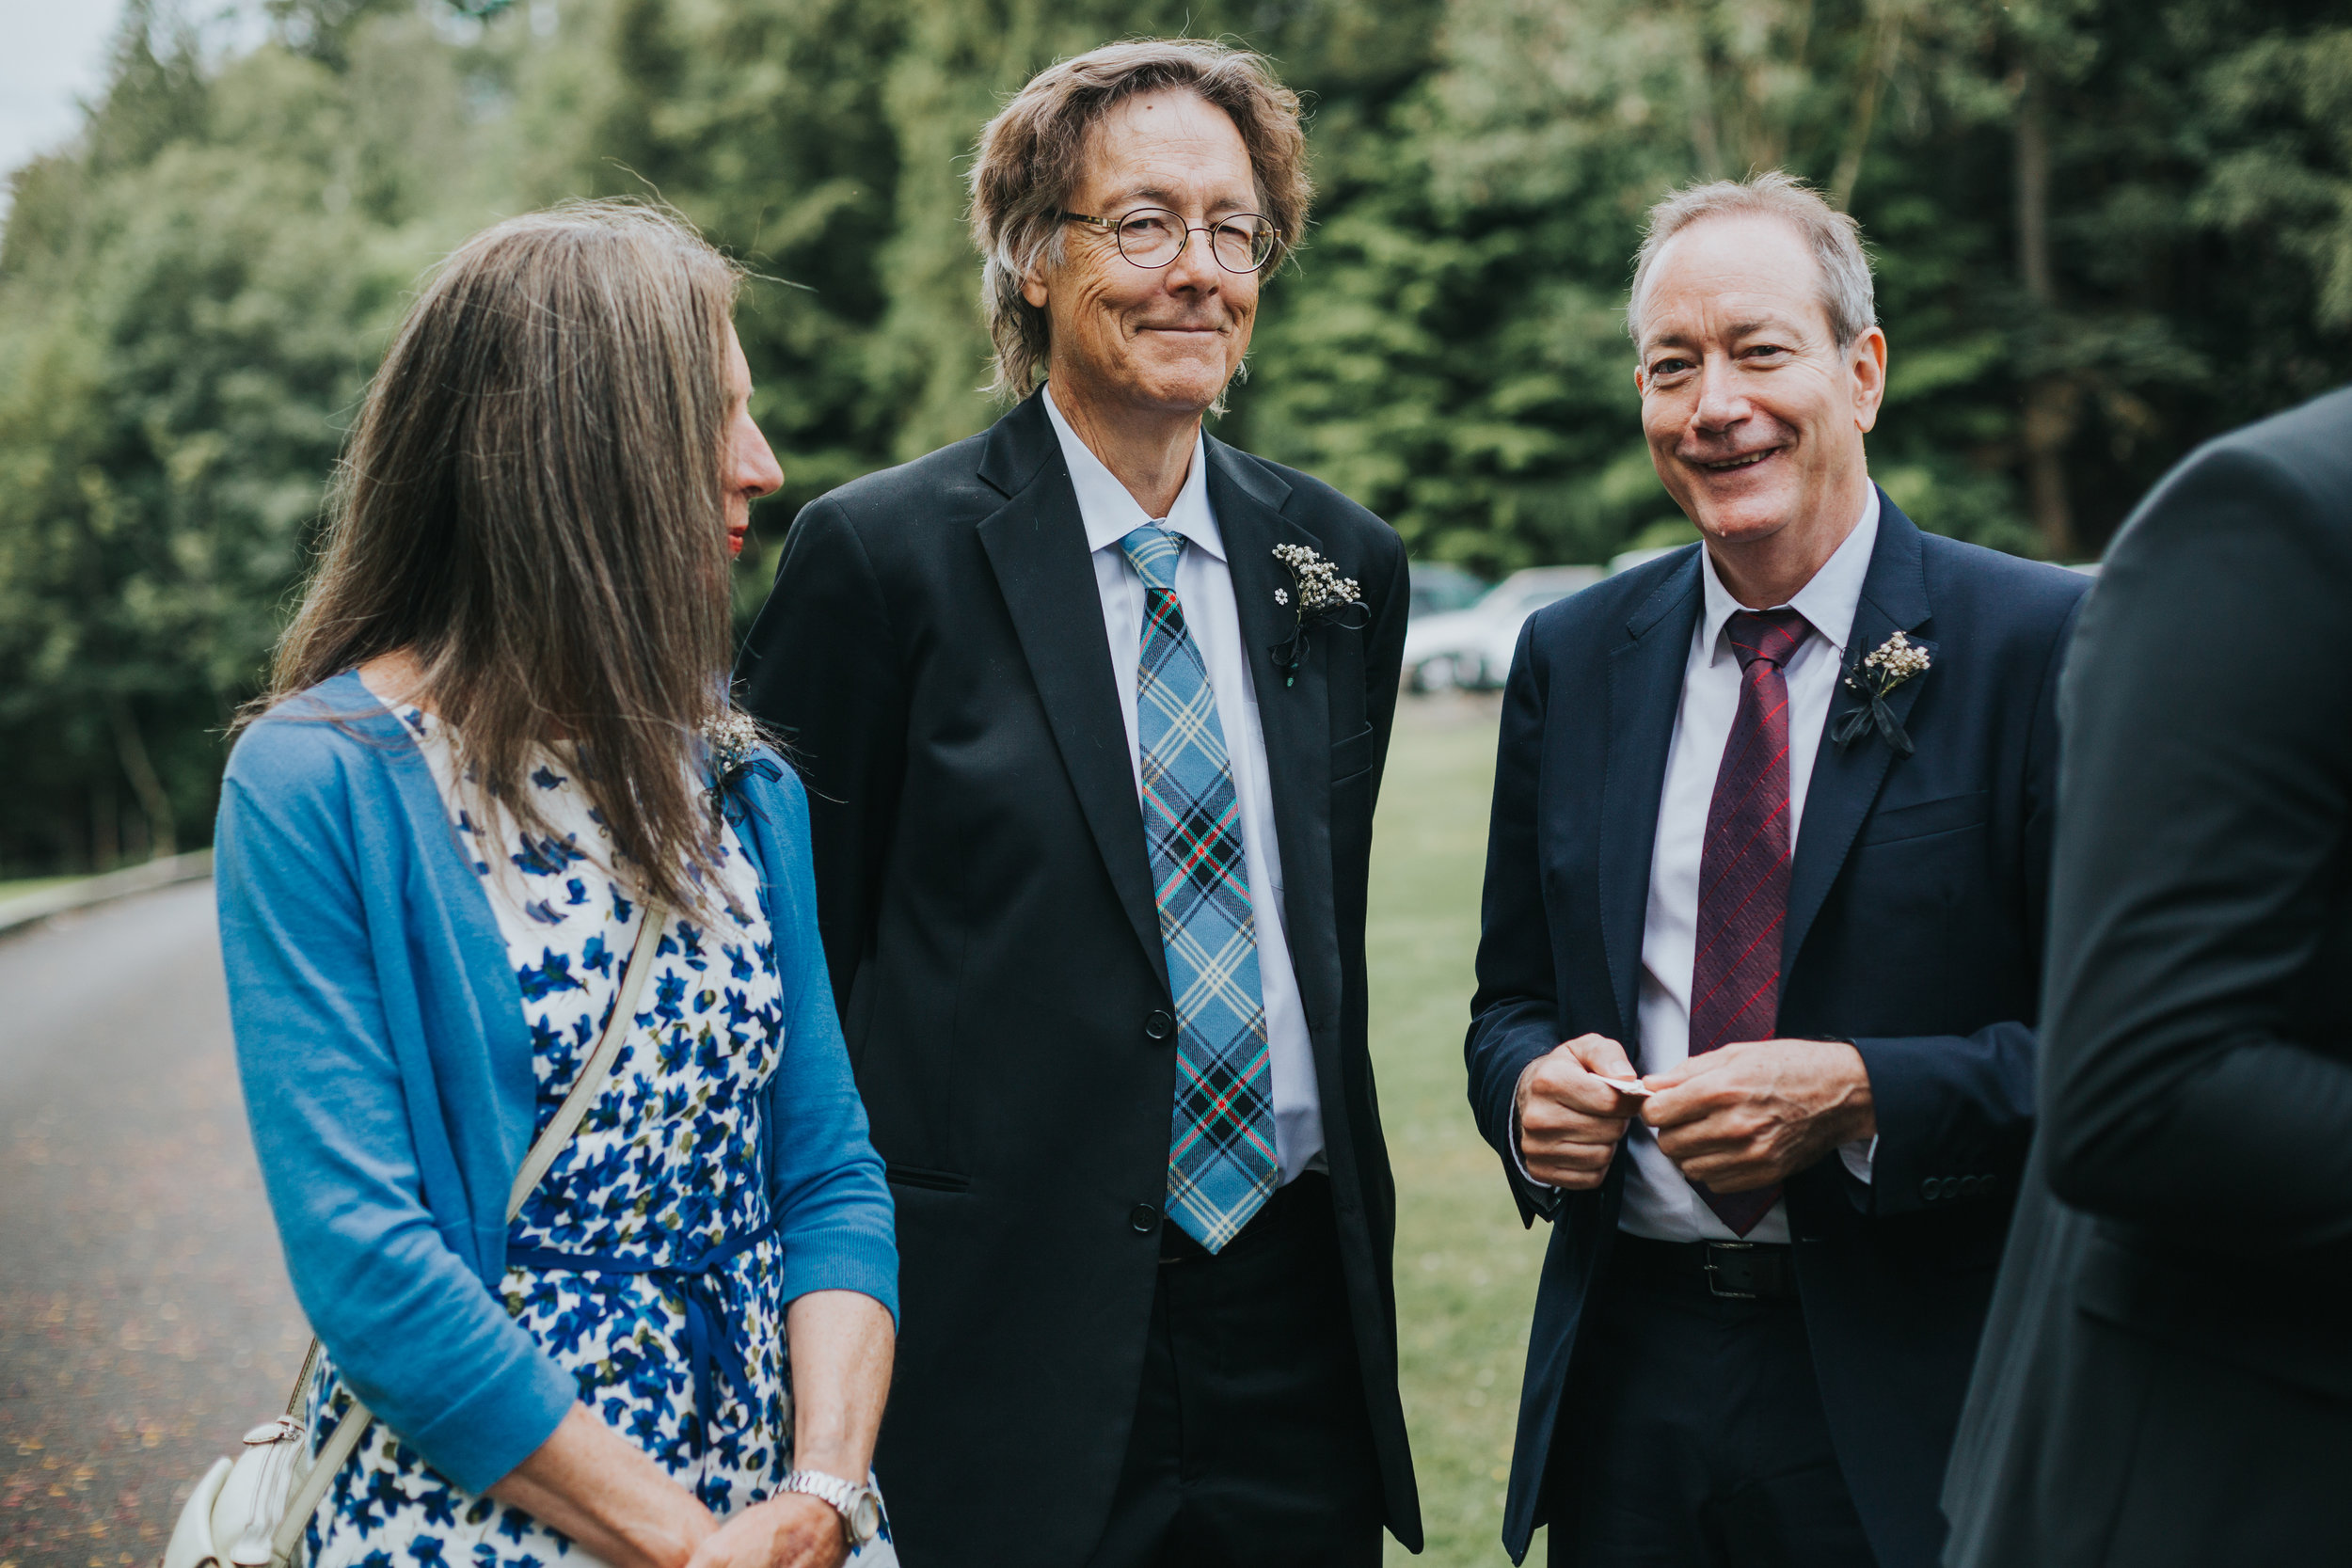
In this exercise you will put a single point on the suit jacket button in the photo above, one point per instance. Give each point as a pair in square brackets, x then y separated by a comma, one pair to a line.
[1145, 1218]
[1160, 1026]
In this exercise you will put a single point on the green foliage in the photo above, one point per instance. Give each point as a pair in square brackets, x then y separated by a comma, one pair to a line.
[185, 310]
[2104, 231]
[2191, 211]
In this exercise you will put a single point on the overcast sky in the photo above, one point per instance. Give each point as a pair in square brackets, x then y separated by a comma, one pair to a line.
[56, 55]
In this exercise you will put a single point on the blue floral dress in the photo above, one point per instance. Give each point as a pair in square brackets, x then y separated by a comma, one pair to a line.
[664, 1169]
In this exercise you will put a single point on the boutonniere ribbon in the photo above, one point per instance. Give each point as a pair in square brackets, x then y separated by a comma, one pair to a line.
[1319, 597]
[1873, 677]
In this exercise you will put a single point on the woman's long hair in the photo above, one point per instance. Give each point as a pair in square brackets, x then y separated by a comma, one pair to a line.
[531, 503]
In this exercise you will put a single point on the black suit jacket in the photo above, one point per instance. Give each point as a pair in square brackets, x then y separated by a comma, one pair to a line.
[934, 652]
[1914, 928]
[2185, 1244]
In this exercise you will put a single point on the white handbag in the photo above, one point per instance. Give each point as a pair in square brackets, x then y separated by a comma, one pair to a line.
[253, 1511]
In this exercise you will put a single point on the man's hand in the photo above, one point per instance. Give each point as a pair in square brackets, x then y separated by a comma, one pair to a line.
[1569, 1121]
[791, 1531]
[1747, 1116]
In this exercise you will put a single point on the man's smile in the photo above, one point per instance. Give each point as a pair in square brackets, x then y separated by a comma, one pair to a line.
[1735, 463]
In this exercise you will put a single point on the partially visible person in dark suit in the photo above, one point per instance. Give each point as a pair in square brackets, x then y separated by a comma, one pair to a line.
[1092, 709]
[1770, 829]
[2167, 1377]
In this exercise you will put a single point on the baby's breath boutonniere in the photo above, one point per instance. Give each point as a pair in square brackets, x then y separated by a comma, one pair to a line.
[1318, 595]
[1874, 675]
[733, 740]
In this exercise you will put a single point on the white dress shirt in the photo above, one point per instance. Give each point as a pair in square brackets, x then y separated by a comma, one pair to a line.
[1204, 587]
[1658, 1200]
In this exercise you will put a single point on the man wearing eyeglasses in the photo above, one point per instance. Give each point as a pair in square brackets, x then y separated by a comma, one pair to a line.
[1092, 709]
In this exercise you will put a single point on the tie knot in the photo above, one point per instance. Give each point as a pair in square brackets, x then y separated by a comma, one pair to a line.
[1152, 551]
[1767, 634]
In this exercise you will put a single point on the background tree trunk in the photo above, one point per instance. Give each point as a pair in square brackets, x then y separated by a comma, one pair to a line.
[1878, 65]
[2052, 399]
[154, 799]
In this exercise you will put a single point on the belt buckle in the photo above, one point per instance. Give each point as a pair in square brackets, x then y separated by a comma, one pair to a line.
[1715, 1271]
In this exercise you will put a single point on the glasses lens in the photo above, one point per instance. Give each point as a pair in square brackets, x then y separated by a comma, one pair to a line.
[1244, 243]
[1150, 237]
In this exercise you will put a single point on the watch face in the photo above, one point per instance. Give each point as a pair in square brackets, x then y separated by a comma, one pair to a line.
[864, 1518]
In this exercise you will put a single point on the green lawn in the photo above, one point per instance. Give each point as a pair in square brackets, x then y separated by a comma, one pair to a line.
[1465, 1269]
[17, 887]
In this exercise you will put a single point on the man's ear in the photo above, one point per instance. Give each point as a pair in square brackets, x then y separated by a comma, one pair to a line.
[1033, 284]
[1866, 362]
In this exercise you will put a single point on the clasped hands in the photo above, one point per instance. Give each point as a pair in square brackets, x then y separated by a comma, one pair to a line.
[788, 1530]
[609, 1496]
[1735, 1118]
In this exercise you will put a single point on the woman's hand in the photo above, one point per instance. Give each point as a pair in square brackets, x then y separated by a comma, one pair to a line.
[607, 1493]
[841, 1353]
[793, 1531]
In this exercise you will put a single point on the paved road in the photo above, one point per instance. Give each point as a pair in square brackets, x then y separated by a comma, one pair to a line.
[145, 1319]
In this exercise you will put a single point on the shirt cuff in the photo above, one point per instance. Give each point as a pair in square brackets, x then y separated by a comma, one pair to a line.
[1859, 1156]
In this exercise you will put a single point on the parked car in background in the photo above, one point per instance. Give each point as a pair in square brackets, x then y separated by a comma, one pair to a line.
[1624, 561]
[1471, 647]
[1439, 587]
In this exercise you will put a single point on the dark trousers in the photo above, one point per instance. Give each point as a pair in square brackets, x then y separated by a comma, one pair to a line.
[1691, 1433]
[1250, 1443]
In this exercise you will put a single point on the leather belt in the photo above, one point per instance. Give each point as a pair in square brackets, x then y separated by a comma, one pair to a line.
[1729, 1270]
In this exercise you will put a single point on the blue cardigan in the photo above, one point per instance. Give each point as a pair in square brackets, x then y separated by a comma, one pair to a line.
[387, 1072]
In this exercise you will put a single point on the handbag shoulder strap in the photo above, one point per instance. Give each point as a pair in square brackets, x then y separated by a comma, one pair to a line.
[590, 1081]
[544, 1149]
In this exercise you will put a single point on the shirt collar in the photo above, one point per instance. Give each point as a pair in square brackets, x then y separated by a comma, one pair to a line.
[1827, 602]
[1109, 510]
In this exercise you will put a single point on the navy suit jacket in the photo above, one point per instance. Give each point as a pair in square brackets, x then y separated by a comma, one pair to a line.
[1915, 924]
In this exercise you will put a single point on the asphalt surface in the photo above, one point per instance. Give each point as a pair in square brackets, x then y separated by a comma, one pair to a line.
[145, 1319]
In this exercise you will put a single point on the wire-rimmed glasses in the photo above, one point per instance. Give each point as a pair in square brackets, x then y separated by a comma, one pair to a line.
[1154, 237]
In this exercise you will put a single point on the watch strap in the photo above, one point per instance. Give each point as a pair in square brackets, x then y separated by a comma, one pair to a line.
[843, 1496]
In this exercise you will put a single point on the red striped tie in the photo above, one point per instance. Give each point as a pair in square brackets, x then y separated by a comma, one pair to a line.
[1743, 869]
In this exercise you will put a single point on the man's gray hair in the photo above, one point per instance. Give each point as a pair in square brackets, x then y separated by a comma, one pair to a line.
[1032, 156]
[1833, 237]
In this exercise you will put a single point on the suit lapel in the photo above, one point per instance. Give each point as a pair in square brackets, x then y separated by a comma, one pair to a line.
[1645, 693]
[1035, 544]
[1846, 782]
[1295, 720]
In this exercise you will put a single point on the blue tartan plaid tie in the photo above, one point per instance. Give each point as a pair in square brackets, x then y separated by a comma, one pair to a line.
[1221, 1165]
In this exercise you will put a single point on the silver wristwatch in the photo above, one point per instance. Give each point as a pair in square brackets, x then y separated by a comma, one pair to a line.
[860, 1507]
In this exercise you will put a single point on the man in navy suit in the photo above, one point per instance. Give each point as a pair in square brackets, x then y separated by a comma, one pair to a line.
[1762, 934]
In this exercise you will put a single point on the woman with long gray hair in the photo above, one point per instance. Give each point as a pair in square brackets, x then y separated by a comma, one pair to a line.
[532, 1017]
